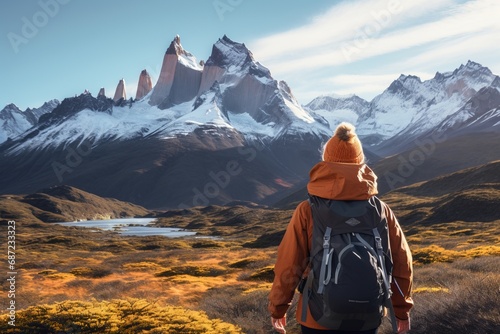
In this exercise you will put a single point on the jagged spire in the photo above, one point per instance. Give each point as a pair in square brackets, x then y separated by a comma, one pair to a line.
[175, 46]
[144, 86]
[120, 92]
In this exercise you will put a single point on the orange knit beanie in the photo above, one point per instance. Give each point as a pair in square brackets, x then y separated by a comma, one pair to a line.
[344, 146]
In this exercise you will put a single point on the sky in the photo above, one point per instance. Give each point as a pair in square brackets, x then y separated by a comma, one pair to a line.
[53, 49]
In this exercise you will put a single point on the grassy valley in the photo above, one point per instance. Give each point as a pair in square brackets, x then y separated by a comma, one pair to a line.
[218, 281]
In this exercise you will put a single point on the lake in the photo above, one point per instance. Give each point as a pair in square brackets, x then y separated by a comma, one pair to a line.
[132, 227]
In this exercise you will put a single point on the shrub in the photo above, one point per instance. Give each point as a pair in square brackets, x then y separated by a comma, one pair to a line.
[434, 253]
[243, 263]
[193, 271]
[207, 244]
[265, 274]
[113, 317]
[141, 266]
[90, 272]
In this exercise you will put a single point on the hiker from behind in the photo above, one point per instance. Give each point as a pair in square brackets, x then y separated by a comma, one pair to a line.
[343, 250]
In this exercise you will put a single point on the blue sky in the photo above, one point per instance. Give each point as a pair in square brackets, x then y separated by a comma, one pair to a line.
[58, 48]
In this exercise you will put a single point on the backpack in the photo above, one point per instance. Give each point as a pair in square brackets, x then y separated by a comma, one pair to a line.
[348, 284]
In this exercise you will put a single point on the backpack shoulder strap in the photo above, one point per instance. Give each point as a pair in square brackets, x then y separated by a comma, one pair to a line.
[306, 293]
[386, 278]
[378, 206]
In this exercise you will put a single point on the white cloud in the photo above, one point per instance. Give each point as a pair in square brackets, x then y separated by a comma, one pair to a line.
[326, 39]
[417, 36]
[477, 47]
[473, 19]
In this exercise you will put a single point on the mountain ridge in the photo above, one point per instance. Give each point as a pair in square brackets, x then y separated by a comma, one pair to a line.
[205, 114]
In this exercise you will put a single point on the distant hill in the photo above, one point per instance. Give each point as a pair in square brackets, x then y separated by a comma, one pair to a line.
[470, 195]
[429, 159]
[64, 203]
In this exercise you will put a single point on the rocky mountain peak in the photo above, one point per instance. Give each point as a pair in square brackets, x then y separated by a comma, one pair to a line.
[487, 98]
[439, 77]
[14, 121]
[469, 69]
[472, 66]
[102, 92]
[226, 52]
[11, 107]
[405, 78]
[336, 102]
[175, 47]
[144, 86]
[396, 86]
[179, 78]
[72, 105]
[404, 84]
[120, 92]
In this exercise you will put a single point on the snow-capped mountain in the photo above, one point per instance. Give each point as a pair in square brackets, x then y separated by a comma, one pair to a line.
[235, 89]
[14, 121]
[231, 90]
[409, 107]
[335, 108]
[480, 113]
[202, 122]
[214, 131]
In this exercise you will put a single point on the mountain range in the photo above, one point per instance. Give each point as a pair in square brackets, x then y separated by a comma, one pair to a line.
[220, 130]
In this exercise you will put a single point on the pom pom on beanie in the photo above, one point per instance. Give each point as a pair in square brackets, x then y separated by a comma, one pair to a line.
[344, 146]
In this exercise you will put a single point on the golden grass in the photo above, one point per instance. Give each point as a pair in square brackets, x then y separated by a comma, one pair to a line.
[451, 241]
[227, 278]
[142, 266]
[128, 316]
[428, 289]
[58, 263]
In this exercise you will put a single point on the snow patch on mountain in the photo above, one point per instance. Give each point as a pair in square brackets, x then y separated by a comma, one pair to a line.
[14, 122]
[410, 106]
[122, 123]
[190, 61]
[338, 108]
[207, 116]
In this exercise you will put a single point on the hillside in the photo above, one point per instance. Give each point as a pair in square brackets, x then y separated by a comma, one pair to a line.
[430, 158]
[470, 195]
[64, 203]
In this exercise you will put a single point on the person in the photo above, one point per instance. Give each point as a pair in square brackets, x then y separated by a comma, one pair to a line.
[342, 175]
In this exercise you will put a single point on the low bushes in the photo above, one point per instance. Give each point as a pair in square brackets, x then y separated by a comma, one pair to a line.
[113, 317]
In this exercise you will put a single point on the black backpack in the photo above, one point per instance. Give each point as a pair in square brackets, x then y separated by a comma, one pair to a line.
[348, 284]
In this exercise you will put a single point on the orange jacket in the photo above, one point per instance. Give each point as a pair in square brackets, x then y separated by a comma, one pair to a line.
[337, 181]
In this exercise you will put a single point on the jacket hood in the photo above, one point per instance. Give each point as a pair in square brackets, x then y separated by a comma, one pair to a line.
[341, 181]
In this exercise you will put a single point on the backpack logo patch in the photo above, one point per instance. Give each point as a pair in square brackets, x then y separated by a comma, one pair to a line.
[352, 222]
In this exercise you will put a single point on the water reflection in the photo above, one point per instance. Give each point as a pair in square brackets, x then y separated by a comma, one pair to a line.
[132, 227]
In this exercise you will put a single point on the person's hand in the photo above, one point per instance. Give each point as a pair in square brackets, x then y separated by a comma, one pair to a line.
[279, 324]
[403, 326]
